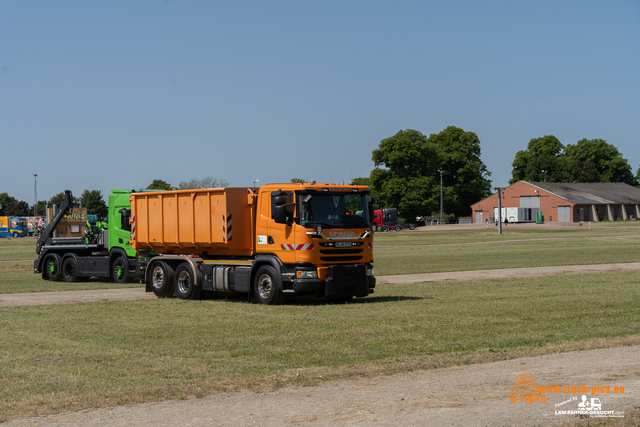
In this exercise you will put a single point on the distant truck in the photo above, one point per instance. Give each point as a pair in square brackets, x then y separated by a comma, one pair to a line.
[277, 240]
[387, 219]
[13, 226]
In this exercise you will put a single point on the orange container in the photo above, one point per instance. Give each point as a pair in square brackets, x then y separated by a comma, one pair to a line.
[208, 222]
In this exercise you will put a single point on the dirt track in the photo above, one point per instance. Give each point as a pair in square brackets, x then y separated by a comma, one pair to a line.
[473, 395]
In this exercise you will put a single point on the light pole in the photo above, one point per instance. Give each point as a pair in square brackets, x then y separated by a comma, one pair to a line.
[35, 194]
[441, 215]
[544, 175]
[254, 183]
[499, 208]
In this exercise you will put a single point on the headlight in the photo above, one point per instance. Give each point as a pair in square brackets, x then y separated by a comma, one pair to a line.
[307, 274]
[370, 271]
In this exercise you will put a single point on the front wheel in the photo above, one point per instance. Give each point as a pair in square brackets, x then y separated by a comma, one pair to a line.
[185, 283]
[161, 278]
[15, 234]
[120, 272]
[267, 286]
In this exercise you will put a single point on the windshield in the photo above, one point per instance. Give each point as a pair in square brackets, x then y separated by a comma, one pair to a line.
[334, 210]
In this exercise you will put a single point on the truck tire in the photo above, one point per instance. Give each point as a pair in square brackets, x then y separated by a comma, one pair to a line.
[185, 283]
[15, 234]
[161, 277]
[267, 286]
[120, 270]
[69, 272]
[52, 267]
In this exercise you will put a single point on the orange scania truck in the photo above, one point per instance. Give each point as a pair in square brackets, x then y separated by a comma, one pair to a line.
[268, 242]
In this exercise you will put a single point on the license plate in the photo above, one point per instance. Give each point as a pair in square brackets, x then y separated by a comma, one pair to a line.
[343, 244]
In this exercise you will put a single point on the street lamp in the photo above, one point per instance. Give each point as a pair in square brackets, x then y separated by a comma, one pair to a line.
[441, 215]
[254, 183]
[35, 194]
[544, 175]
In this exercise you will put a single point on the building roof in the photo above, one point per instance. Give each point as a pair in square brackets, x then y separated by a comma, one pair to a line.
[597, 193]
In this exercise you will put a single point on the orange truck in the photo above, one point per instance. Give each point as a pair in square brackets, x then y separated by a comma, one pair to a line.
[268, 242]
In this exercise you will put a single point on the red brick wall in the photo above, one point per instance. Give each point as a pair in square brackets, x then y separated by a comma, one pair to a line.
[511, 199]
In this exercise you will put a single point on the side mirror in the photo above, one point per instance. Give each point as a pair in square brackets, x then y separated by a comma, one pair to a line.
[371, 214]
[280, 214]
[124, 219]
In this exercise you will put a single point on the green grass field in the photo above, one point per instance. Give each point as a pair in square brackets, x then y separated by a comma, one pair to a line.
[69, 357]
[405, 252]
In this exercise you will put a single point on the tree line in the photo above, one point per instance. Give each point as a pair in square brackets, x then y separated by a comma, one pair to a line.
[93, 200]
[409, 167]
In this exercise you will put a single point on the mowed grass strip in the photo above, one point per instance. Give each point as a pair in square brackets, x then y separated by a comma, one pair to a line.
[433, 236]
[434, 259]
[18, 276]
[69, 357]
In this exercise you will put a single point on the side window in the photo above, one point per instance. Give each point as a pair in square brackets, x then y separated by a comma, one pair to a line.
[283, 198]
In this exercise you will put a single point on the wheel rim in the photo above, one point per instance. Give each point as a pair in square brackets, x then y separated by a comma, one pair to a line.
[184, 282]
[69, 270]
[118, 271]
[51, 267]
[265, 286]
[157, 278]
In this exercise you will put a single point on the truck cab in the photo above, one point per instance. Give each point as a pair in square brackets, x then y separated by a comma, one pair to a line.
[322, 235]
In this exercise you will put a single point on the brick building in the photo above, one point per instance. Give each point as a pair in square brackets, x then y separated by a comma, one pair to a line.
[562, 202]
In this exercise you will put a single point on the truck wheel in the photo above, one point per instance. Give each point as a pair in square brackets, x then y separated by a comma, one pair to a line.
[15, 234]
[185, 284]
[374, 228]
[267, 286]
[120, 272]
[69, 273]
[52, 267]
[161, 277]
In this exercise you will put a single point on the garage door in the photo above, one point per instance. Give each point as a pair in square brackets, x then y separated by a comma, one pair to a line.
[564, 214]
[478, 218]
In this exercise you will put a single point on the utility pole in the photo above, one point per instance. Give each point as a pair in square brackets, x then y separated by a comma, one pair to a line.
[35, 194]
[499, 208]
[441, 215]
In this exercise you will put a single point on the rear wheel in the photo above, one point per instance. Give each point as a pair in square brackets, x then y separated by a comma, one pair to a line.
[185, 283]
[267, 286]
[161, 277]
[69, 272]
[120, 271]
[52, 267]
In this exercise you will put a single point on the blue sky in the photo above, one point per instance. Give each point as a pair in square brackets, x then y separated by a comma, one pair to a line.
[101, 95]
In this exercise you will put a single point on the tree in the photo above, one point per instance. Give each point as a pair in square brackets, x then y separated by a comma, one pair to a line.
[41, 209]
[58, 198]
[159, 184]
[5, 201]
[93, 201]
[539, 162]
[589, 160]
[20, 208]
[465, 177]
[408, 178]
[297, 180]
[607, 161]
[411, 178]
[637, 178]
[208, 182]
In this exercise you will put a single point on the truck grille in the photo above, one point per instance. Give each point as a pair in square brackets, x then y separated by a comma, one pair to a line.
[341, 255]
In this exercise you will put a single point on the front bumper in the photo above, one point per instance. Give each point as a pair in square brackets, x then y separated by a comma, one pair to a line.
[342, 281]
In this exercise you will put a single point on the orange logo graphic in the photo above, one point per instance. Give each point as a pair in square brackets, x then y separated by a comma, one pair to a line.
[526, 389]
